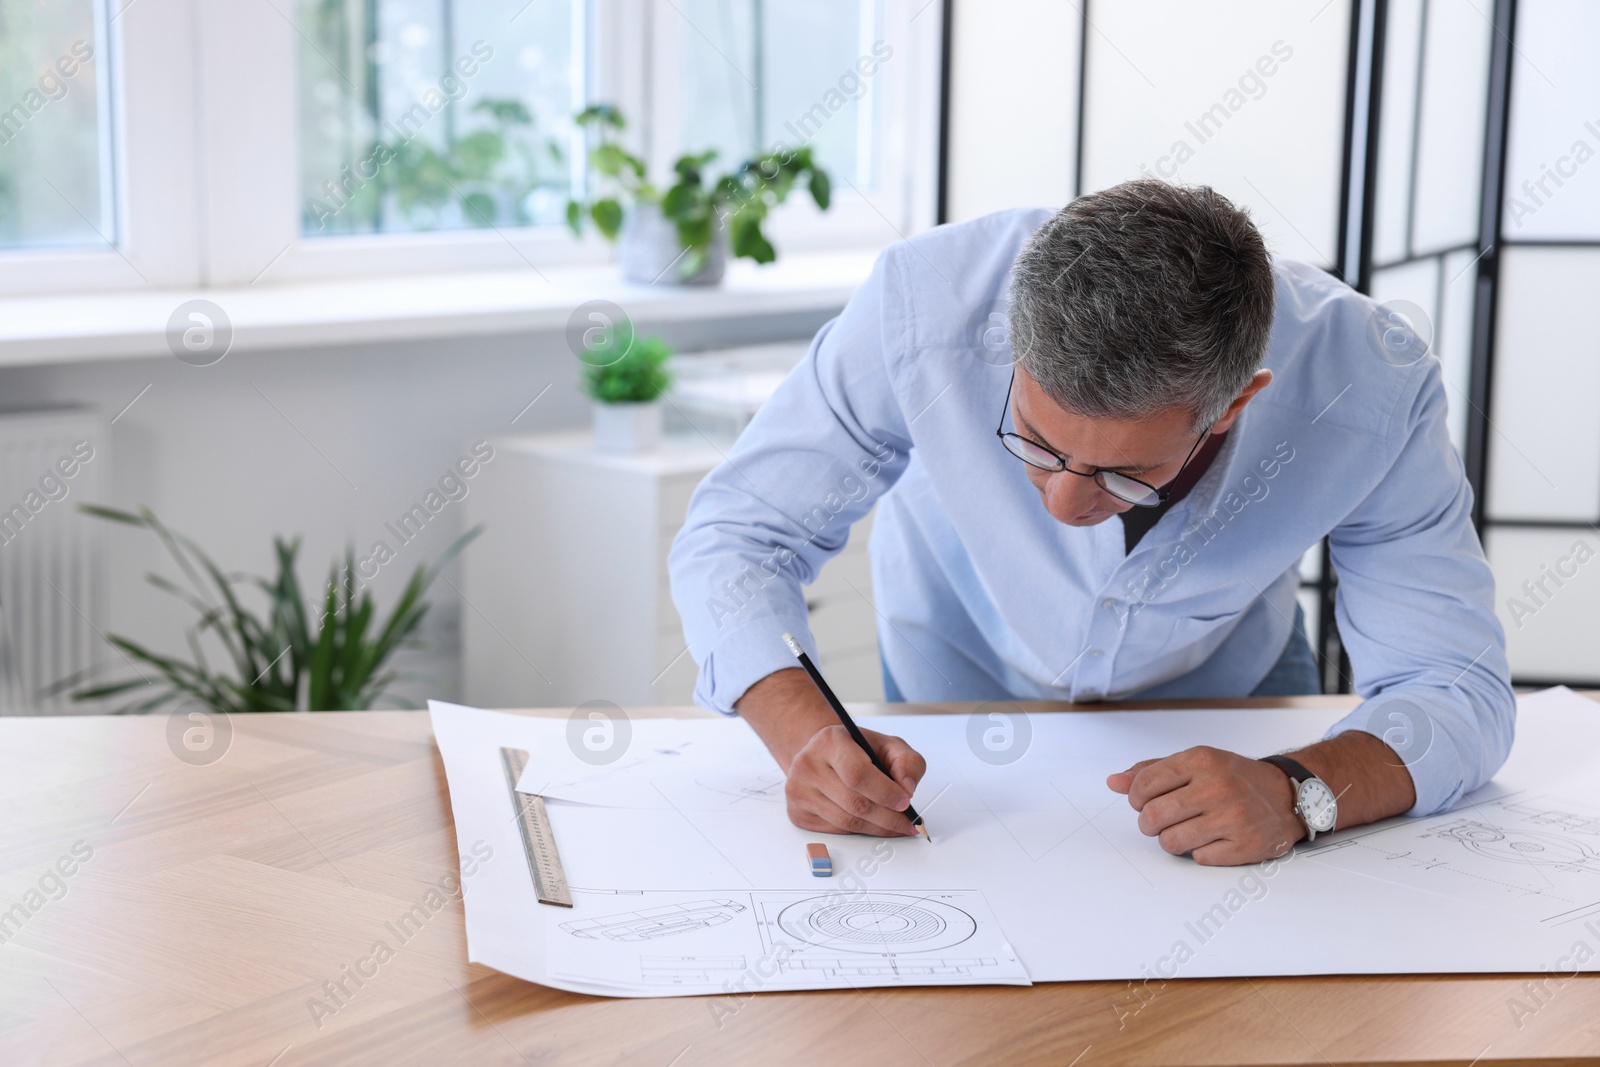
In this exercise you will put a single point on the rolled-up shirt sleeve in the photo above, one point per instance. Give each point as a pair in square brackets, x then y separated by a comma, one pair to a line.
[814, 459]
[1416, 613]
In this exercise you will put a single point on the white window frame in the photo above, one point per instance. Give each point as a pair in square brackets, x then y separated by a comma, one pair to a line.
[205, 122]
[904, 199]
[147, 88]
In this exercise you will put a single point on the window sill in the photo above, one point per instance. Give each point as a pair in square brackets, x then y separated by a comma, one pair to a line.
[37, 330]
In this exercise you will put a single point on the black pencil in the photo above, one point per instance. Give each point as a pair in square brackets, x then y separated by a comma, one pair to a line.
[850, 725]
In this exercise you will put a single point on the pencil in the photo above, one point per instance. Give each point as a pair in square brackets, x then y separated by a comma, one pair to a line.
[850, 725]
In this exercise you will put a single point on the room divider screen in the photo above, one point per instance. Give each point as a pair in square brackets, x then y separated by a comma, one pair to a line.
[1435, 154]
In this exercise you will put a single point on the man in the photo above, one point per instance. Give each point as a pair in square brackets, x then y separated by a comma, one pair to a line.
[1180, 417]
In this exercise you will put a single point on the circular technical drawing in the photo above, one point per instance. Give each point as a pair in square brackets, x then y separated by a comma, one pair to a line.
[1521, 846]
[881, 922]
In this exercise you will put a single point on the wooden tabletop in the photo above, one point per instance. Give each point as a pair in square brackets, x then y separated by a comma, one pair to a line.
[159, 905]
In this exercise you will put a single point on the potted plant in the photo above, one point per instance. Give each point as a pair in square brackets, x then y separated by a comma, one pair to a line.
[626, 377]
[685, 234]
[327, 653]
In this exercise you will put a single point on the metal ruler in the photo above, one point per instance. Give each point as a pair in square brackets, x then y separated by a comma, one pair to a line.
[538, 840]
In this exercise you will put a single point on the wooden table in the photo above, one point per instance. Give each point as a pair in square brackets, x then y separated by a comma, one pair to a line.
[219, 897]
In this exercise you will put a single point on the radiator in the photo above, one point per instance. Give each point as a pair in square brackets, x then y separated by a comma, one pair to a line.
[52, 563]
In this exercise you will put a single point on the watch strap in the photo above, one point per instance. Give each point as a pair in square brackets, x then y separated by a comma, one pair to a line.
[1296, 770]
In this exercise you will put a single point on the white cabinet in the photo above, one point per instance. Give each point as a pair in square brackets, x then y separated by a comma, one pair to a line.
[567, 593]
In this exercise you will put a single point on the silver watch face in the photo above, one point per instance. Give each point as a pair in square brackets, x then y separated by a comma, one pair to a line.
[1318, 806]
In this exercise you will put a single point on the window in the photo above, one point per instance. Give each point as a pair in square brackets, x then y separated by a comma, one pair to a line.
[268, 143]
[757, 72]
[856, 81]
[433, 115]
[55, 152]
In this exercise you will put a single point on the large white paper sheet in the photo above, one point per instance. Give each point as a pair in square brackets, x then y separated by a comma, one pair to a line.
[1055, 857]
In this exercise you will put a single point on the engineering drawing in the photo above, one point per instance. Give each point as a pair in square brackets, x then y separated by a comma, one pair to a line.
[651, 923]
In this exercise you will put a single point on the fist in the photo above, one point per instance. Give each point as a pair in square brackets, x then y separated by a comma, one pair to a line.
[1221, 808]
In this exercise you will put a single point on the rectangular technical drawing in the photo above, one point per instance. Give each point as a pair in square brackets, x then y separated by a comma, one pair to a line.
[652, 923]
[1537, 856]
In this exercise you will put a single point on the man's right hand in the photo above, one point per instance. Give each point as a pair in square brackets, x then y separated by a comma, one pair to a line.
[832, 786]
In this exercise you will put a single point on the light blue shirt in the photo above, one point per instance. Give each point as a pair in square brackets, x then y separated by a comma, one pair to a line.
[980, 594]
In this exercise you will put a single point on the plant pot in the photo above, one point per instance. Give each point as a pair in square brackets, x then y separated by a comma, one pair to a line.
[649, 253]
[627, 427]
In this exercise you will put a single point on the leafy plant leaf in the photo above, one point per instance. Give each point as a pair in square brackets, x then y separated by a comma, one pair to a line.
[748, 240]
[607, 215]
[821, 189]
[694, 233]
[609, 159]
[681, 199]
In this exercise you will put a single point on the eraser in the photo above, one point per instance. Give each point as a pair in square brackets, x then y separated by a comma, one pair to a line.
[821, 862]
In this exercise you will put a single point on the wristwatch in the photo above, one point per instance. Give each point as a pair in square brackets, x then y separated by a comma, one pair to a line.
[1314, 802]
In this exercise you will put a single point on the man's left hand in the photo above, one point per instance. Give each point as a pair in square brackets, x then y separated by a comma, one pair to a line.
[1222, 808]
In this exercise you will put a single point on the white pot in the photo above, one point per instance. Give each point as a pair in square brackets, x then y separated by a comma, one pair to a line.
[649, 253]
[627, 427]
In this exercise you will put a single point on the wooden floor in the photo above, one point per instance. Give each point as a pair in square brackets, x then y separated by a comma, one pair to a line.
[217, 899]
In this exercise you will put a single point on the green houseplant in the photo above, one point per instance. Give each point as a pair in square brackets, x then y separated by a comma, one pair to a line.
[490, 176]
[678, 234]
[327, 653]
[626, 377]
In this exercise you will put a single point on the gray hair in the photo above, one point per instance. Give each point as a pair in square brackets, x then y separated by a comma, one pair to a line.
[1141, 298]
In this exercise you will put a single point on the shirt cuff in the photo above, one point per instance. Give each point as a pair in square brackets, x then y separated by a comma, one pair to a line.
[747, 655]
[1423, 741]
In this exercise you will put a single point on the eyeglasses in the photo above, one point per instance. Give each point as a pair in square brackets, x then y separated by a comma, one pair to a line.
[1127, 489]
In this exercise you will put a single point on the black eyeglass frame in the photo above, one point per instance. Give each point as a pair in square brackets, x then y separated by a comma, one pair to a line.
[1162, 495]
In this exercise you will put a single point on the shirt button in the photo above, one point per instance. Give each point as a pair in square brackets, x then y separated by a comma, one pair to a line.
[1094, 652]
[1108, 602]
